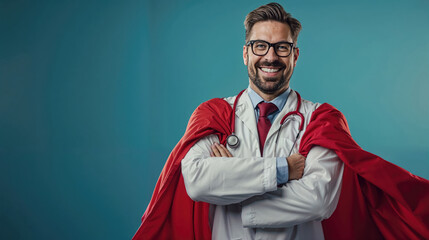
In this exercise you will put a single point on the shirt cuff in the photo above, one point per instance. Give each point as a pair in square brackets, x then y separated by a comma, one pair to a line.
[282, 171]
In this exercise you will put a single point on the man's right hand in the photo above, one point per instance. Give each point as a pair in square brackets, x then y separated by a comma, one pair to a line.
[296, 164]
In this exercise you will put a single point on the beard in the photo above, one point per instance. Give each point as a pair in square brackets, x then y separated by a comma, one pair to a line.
[264, 85]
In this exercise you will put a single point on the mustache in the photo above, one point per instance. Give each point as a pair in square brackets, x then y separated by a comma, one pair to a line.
[275, 63]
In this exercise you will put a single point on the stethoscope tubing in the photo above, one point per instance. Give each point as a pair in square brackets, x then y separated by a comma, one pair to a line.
[233, 141]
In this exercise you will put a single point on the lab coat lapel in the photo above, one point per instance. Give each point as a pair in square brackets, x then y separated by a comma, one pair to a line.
[246, 113]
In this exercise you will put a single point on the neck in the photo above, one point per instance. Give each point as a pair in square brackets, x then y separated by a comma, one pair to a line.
[268, 96]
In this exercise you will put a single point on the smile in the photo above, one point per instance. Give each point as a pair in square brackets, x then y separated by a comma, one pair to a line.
[270, 70]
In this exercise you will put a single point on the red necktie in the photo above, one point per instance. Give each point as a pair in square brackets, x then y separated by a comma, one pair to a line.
[264, 123]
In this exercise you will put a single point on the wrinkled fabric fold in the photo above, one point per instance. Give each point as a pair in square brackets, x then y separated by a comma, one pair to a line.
[378, 200]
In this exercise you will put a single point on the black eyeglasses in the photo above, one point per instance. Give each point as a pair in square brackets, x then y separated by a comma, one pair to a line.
[261, 47]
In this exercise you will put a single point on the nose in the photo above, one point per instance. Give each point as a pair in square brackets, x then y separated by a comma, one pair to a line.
[271, 54]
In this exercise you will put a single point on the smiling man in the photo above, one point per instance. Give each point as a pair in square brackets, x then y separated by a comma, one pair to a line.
[259, 189]
[244, 184]
[266, 164]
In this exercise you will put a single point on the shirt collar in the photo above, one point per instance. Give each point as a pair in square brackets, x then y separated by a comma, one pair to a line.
[279, 101]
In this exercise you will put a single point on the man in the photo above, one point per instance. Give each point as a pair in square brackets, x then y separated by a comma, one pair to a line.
[260, 189]
[242, 190]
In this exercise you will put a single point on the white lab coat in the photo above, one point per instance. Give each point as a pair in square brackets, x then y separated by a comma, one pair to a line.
[242, 190]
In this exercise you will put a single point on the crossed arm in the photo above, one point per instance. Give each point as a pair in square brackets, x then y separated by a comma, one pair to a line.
[213, 175]
[296, 162]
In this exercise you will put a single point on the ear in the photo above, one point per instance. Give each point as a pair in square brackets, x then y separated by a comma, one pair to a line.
[245, 56]
[295, 56]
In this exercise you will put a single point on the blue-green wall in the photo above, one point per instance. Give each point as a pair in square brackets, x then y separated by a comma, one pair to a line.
[95, 94]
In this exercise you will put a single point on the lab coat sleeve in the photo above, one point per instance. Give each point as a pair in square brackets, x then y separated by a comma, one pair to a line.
[311, 198]
[225, 180]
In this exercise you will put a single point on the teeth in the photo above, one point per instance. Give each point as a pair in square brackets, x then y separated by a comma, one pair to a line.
[270, 70]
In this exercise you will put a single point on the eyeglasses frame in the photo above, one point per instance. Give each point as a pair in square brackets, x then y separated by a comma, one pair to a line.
[251, 42]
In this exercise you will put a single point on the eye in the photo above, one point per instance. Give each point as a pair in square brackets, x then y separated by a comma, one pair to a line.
[283, 47]
[260, 45]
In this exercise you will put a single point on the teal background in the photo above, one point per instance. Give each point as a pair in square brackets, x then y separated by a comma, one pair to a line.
[95, 94]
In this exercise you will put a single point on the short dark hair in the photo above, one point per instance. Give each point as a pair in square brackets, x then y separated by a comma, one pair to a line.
[275, 12]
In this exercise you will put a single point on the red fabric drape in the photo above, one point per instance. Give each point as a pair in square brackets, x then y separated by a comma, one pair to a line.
[378, 200]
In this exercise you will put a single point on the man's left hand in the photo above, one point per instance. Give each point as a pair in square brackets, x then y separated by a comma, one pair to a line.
[219, 150]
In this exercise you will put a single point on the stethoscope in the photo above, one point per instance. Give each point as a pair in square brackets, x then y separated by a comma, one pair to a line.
[233, 141]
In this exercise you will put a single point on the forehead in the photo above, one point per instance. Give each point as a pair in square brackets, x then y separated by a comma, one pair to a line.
[271, 31]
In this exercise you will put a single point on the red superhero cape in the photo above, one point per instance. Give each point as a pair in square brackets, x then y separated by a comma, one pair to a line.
[378, 200]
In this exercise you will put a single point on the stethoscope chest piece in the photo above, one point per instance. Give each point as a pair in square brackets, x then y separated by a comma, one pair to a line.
[232, 141]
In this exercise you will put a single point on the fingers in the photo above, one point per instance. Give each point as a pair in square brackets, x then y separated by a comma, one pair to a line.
[297, 156]
[296, 159]
[296, 164]
[300, 170]
[219, 150]
[225, 151]
[215, 151]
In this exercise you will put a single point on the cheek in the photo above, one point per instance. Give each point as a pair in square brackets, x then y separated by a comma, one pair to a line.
[290, 64]
[252, 61]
